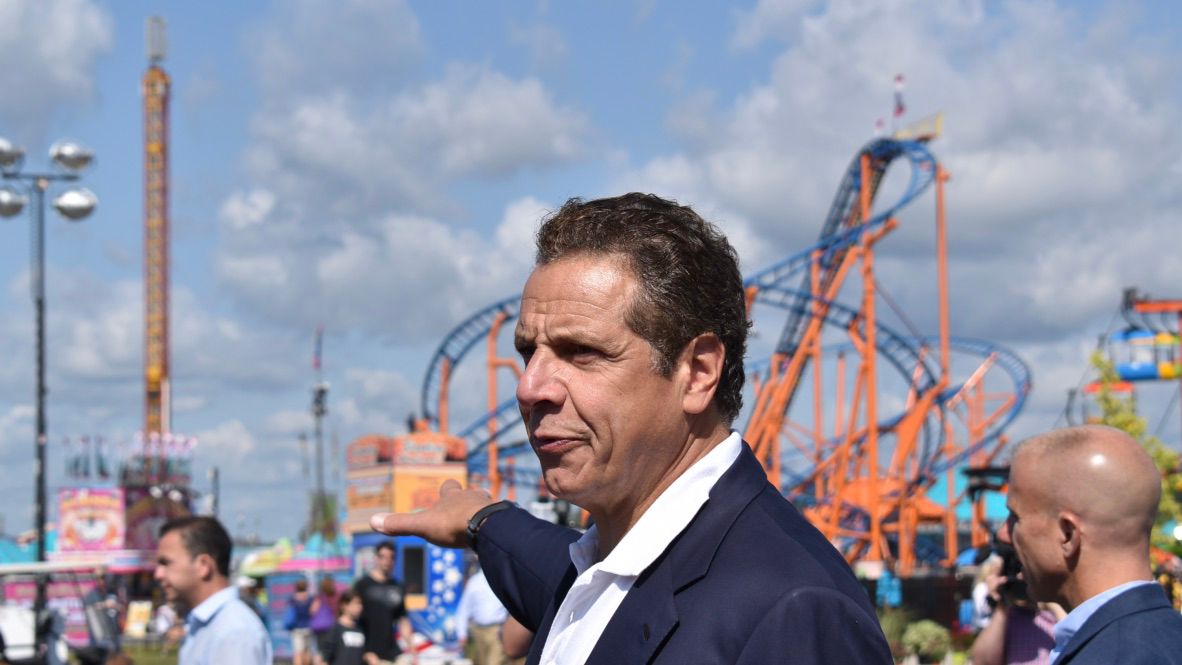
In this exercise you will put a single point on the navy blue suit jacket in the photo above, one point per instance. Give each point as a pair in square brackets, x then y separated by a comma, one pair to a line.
[1137, 627]
[748, 581]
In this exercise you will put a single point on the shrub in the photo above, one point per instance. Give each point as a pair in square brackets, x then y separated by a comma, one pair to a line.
[927, 639]
[894, 621]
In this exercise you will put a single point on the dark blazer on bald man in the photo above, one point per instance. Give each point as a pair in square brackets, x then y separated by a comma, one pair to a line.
[748, 581]
[1137, 627]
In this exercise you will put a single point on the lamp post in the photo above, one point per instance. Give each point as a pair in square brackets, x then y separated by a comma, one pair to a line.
[73, 204]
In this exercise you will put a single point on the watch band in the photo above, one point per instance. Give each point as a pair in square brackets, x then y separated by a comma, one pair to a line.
[477, 520]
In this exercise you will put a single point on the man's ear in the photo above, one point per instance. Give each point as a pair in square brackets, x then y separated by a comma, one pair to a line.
[206, 566]
[1069, 536]
[702, 362]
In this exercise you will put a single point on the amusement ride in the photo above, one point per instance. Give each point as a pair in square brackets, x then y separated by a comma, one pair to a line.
[859, 450]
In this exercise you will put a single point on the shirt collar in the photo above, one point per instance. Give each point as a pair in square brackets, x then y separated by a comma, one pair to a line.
[206, 609]
[1070, 625]
[667, 517]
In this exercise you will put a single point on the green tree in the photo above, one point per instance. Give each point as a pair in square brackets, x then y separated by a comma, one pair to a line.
[1120, 411]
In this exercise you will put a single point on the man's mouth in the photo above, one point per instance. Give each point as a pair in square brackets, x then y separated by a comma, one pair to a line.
[554, 445]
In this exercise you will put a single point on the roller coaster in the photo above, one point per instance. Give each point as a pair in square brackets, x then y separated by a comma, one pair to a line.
[858, 451]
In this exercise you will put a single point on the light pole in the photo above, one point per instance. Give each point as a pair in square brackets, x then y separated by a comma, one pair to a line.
[73, 204]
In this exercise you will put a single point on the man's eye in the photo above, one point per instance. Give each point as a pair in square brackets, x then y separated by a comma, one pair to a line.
[584, 353]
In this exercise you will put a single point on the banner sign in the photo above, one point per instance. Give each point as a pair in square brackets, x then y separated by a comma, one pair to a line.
[91, 519]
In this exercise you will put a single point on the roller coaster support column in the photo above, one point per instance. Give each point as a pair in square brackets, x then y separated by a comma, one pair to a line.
[942, 176]
[494, 474]
[870, 323]
[444, 382]
[818, 400]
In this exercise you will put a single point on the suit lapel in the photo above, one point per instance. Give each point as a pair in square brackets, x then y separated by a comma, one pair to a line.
[649, 613]
[1137, 599]
[642, 622]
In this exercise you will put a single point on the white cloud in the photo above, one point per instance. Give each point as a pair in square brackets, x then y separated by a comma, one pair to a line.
[228, 442]
[346, 154]
[768, 19]
[50, 48]
[311, 46]
[245, 209]
[544, 43]
[378, 279]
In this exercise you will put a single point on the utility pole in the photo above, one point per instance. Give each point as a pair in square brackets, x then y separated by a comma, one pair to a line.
[319, 410]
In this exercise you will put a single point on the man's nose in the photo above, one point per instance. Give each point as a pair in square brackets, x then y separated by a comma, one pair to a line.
[538, 383]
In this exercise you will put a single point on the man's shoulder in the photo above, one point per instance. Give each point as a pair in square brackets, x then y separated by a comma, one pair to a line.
[1141, 628]
[769, 550]
[237, 617]
[780, 529]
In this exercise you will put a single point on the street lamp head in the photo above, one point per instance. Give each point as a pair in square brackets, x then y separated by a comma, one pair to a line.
[11, 156]
[12, 202]
[75, 204]
[71, 156]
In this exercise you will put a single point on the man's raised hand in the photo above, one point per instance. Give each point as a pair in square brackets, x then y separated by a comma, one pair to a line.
[444, 524]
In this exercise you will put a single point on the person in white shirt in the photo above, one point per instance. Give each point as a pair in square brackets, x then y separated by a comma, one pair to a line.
[479, 618]
[1082, 502]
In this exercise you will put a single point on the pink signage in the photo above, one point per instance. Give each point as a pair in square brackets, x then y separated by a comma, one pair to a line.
[91, 519]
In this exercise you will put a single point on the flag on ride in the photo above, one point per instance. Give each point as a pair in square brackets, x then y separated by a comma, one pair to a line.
[899, 108]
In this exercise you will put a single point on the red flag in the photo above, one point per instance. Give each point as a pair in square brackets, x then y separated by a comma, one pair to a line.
[899, 108]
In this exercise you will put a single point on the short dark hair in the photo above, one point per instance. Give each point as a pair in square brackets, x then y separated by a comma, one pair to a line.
[203, 535]
[344, 599]
[686, 270]
[385, 545]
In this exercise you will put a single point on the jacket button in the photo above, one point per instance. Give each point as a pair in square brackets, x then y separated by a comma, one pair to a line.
[647, 632]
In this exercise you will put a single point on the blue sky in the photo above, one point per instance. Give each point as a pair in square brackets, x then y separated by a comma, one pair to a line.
[378, 166]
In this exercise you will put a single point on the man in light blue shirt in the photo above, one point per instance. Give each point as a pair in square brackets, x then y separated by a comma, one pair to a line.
[1082, 503]
[193, 568]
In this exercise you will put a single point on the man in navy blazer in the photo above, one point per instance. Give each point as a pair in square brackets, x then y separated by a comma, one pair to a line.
[632, 330]
[1082, 503]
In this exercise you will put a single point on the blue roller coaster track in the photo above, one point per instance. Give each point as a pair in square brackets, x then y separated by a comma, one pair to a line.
[843, 228]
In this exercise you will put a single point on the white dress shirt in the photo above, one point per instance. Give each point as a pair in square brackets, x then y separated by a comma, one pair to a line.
[600, 587]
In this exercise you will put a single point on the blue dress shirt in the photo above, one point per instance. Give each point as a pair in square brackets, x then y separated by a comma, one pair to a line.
[223, 630]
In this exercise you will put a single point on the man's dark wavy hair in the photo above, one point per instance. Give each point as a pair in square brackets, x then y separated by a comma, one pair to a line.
[687, 274]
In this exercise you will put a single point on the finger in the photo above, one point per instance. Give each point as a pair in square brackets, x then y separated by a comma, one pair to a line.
[399, 524]
[450, 485]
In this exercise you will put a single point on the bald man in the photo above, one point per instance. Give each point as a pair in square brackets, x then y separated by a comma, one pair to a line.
[1082, 503]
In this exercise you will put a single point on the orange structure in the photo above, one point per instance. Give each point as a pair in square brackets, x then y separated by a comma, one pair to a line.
[155, 89]
[868, 494]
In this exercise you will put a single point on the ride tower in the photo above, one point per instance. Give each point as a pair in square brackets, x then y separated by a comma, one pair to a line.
[156, 92]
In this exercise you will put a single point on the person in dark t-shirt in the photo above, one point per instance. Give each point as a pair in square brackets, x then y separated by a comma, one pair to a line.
[345, 643]
[383, 603]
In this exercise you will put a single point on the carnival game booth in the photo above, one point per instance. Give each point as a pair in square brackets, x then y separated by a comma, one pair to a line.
[403, 474]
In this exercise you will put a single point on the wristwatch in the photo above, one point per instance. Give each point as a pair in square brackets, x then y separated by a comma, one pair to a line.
[477, 520]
